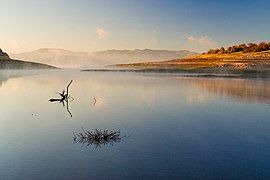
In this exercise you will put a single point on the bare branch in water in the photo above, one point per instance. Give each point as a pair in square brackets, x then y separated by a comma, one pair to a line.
[68, 87]
[98, 137]
[64, 98]
[95, 101]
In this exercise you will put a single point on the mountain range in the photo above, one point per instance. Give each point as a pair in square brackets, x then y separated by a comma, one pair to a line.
[69, 59]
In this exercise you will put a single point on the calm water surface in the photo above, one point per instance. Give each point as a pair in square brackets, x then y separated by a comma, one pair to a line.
[176, 127]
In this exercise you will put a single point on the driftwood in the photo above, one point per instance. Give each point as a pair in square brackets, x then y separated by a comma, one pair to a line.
[97, 137]
[64, 98]
[95, 101]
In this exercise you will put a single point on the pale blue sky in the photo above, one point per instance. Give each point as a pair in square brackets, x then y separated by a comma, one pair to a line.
[94, 25]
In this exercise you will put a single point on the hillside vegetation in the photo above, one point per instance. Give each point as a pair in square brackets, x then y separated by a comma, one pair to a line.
[245, 48]
[232, 60]
[3, 55]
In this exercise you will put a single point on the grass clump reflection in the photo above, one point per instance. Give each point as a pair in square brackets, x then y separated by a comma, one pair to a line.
[98, 137]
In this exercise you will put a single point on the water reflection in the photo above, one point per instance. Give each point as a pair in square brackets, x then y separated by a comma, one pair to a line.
[65, 103]
[243, 90]
[97, 138]
[206, 138]
[2, 79]
[5, 75]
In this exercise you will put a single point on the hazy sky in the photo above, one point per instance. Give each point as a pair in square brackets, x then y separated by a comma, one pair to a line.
[93, 25]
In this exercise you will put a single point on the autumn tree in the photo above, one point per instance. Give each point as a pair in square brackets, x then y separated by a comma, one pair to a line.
[222, 50]
[250, 47]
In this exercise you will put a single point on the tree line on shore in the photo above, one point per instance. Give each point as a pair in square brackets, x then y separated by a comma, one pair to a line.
[250, 47]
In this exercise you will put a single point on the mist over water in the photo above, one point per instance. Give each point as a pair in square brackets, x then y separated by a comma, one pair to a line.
[174, 127]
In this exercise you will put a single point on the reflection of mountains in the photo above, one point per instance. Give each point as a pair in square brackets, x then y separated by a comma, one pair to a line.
[244, 90]
[2, 79]
[8, 74]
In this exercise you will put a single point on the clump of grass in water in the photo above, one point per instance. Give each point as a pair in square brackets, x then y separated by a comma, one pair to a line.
[98, 137]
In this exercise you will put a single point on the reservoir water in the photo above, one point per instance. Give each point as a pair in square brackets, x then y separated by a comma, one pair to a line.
[172, 127]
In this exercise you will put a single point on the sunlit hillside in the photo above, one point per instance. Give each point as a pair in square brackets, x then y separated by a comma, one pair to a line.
[234, 57]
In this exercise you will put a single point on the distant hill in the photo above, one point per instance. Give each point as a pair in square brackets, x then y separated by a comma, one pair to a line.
[61, 58]
[3, 55]
[18, 64]
[132, 56]
[7, 63]
[68, 59]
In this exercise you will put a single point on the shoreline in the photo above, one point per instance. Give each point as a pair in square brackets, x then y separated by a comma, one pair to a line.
[198, 72]
[238, 64]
